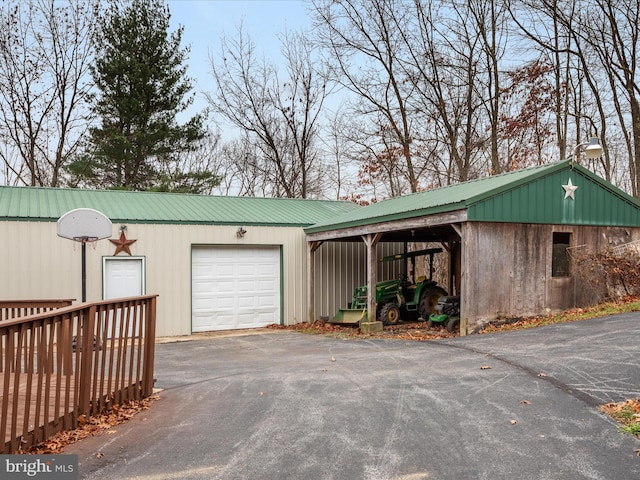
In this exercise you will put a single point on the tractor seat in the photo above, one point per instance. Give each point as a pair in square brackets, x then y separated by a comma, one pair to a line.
[420, 279]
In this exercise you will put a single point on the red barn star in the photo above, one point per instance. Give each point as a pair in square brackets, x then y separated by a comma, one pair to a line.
[122, 244]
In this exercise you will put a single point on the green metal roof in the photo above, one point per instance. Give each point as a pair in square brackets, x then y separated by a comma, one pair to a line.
[48, 204]
[533, 195]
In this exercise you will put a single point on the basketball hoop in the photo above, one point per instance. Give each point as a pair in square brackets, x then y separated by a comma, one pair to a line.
[84, 225]
[91, 241]
[85, 239]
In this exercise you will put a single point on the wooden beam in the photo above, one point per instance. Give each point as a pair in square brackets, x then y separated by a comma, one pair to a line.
[392, 226]
[465, 289]
[371, 241]
[457, 228]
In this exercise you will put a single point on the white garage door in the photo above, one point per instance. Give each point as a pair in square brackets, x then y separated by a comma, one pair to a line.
[235, 287]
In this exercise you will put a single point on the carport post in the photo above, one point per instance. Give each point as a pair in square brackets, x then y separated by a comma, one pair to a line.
[462, 230]
[371, 325]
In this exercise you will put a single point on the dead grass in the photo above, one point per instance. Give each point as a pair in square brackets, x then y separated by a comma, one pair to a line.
[627, 414]
[628, 304]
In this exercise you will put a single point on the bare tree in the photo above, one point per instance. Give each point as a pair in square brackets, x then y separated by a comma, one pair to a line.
[527, 116]
[547, 35]
[199, 169]
[489, 26]
[243, 168]
[365, 45]
[336, 148]
[598, 72]
[446, 71]
[45, 53]
[279, 117]
[616, 41]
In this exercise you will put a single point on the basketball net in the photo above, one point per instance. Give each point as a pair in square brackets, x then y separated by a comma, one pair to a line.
[91, 242]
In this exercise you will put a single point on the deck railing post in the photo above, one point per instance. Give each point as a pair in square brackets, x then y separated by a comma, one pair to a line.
[84, 348]
[149, 346]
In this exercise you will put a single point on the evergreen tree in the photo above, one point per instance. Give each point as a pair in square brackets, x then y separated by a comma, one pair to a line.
[142, 86]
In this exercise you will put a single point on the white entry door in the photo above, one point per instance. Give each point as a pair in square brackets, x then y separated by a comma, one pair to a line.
[235, 287]
[123, 277]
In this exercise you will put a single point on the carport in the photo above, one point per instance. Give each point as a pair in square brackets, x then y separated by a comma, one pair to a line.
[444, 228]
[507, 237]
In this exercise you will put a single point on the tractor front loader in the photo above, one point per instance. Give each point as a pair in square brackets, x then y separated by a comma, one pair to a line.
[404, 297]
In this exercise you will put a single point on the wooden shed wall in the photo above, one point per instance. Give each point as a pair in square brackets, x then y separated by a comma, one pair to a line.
[507, 269]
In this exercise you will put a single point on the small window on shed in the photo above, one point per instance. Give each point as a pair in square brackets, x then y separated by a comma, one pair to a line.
[560, 261]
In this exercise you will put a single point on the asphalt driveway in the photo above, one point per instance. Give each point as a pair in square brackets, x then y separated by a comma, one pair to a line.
[283, 405]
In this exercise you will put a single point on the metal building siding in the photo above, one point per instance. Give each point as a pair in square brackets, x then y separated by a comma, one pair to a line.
[342, 266]
[542, 201]
[36, 263]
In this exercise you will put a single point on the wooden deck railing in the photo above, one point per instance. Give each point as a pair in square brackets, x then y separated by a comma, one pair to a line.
[64, 365]
[21, 308]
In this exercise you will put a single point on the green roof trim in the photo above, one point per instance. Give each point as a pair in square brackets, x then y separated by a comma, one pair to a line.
[532, 195]
[48, 204]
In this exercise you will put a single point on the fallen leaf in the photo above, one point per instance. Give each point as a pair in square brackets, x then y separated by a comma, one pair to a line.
[525, 402]
[485, 367]
[93, 425]
[637, 451]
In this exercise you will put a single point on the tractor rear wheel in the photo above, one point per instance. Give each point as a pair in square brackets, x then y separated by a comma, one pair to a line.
[390, 314]
[453, 324]
[428, 301]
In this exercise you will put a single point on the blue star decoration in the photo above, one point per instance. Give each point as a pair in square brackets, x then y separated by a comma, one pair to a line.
[569, 190]
[122, 244]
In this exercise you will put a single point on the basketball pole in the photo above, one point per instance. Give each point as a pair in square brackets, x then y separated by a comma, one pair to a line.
[84, 269]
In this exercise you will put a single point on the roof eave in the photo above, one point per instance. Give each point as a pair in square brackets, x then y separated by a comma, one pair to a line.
[452, 207]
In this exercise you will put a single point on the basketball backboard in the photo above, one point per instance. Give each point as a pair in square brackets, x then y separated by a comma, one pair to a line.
[84, 224]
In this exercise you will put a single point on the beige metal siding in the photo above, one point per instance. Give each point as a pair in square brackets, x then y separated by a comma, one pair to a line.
[342, 266]
[36, 263]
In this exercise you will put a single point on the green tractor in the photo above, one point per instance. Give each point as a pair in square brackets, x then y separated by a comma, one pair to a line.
[400, 298]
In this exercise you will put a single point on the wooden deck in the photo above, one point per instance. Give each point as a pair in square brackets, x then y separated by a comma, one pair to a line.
[50, 412]
[50, 382]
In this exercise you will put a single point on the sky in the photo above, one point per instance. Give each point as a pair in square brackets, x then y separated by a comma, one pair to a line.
[205, 22]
